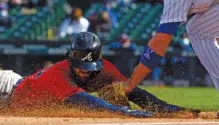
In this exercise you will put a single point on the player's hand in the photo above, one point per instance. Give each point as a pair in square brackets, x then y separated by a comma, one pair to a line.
[136, 113]
[127, 87]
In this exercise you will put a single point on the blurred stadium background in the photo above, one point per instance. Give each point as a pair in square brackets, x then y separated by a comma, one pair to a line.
[36, 33]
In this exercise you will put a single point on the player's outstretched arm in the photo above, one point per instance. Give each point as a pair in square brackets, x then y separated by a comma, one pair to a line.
[86, 100]
[153, 53]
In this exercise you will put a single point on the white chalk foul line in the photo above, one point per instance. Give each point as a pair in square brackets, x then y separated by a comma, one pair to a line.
[158, 123]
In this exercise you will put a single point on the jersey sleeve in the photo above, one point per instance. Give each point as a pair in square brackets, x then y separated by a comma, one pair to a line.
[175, 11]
[62, 87]
[115, 73]
[44, 86]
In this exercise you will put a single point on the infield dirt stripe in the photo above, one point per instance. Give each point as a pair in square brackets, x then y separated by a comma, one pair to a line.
[159, 123]
[102, 121]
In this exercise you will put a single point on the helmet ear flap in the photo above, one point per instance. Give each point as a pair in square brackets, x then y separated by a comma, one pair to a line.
[67, 53]
[69, 49]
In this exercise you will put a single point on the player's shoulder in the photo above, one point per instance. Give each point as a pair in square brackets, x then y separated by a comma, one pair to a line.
[57, 68]
[106, 63]
[108, 66]
[63, 65]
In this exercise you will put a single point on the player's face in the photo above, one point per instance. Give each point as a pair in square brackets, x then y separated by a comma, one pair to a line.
[82, 74]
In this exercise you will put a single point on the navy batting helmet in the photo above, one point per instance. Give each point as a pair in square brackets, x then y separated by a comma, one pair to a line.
[85, 52]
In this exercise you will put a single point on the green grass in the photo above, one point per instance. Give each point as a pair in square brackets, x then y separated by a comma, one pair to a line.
[206, 99]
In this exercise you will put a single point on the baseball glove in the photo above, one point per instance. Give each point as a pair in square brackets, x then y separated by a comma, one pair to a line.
[114, 94]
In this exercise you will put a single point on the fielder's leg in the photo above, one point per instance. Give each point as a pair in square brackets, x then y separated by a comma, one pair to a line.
[202, 29]
[207, 51]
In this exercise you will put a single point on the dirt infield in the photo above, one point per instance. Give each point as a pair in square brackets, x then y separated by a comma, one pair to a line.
[63, 111]
[99, 121]
[60, 115]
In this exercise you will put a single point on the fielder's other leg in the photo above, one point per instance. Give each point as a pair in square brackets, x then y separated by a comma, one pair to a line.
[203, 31]
[207, 51]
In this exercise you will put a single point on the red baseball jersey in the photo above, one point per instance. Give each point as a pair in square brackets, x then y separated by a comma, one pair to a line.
[53, 84]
